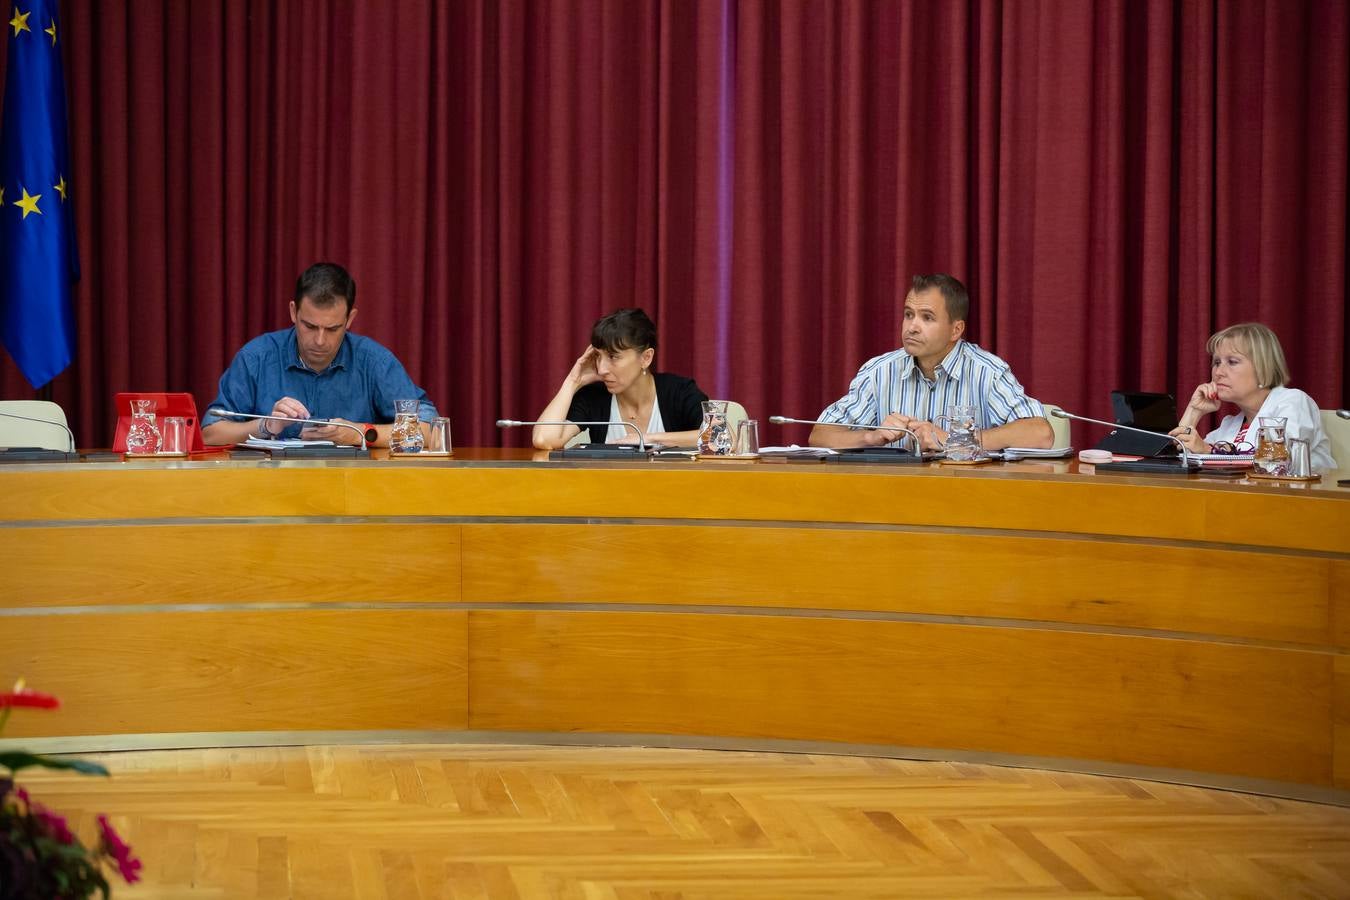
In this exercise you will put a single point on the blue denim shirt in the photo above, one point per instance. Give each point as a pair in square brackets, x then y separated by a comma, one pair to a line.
[360, 384]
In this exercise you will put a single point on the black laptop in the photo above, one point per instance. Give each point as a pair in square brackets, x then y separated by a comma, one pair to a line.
[1151, 412]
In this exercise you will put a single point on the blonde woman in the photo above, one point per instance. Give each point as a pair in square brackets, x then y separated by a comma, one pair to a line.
[1248, 370]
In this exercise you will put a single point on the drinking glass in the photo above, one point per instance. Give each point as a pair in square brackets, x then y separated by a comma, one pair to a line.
[175, 436]
[1272, 455]
[406, 435]
[143, 435]
[747, 437]
[440, 436]
[1300, 464]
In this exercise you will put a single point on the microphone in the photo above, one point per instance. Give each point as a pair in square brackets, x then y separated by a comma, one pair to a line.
[69, 434]
[1186, 462]
[516, 423]
[1343, 413]
[784, 420]
[227, 413]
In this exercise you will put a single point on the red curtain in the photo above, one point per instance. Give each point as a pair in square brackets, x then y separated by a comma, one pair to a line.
[1114, 181]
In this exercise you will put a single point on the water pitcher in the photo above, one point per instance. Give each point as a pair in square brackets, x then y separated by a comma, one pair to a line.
[1272, 456]
[714, 435]
[406, 435]
[143, 435]
[962, 425]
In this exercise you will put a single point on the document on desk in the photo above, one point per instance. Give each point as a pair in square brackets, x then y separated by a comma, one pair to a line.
[1012, 454]
[257, 443]
[1224, 459]
[796, 451]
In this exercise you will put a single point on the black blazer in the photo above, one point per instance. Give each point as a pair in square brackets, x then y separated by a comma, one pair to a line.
[680, 400]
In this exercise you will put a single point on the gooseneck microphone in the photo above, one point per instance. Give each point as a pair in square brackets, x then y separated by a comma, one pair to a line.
[227, 413]
[70, 435]
[516, 423]
[785, 420]
[1186, 461]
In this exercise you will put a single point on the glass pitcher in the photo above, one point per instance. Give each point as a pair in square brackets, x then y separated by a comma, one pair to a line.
[143, 435]
[406, 435]
[962, 425]
[1272, 454]
[714, 435]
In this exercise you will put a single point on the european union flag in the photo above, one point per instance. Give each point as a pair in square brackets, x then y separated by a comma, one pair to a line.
[38, 257]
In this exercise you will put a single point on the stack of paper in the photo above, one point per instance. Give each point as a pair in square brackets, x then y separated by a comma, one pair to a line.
[796, 451]
[258, 443]
[1011, 454]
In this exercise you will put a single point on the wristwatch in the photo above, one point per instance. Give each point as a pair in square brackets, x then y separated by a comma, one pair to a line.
[369, 432]
[262, 431]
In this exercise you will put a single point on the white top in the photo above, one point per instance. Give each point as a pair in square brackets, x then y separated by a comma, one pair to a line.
[1302, 420]
[617, 431]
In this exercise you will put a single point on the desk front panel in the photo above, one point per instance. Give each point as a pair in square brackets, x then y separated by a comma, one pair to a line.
[1053, 615]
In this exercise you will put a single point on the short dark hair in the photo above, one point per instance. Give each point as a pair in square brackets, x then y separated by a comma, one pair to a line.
[324, 284]
[953, 292]
[624, 329]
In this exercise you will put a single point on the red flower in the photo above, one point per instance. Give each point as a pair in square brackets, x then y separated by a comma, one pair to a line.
[127, 864]
[21, 696]
[54, 825]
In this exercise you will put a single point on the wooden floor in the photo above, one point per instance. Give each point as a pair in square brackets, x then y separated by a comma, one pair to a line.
[506, 821]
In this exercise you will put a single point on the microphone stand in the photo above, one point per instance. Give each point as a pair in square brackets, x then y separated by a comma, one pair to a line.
[231, 414]
[591, 454]
[856, 451]
[1186, 467]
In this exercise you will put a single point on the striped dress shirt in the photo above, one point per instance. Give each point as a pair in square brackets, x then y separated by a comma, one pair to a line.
[967, 376]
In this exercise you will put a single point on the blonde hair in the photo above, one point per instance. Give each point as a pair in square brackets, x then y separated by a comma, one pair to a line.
[1259, 344]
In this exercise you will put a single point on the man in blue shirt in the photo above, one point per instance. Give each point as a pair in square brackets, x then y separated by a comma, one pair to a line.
[315, 369]
[911, 387]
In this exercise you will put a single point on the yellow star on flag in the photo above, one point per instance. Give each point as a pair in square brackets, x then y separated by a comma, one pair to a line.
[52, 32]
[60, 188]
[20, 22]
[2, 196]
[28, 203]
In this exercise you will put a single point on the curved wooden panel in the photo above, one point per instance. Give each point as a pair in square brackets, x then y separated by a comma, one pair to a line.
[200, 562]
[281, 670]
[1080, 581]
[1219, 708]
[1189, 624]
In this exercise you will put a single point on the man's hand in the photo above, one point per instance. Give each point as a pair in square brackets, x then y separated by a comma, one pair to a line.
[334, 433]
[881, 437]
[286, 406]
[930, 436]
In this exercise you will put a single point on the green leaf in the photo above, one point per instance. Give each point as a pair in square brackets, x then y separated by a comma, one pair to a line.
[18, 759]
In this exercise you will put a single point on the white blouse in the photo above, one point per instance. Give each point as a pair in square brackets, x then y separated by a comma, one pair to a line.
[617, 431]
[1302, 420]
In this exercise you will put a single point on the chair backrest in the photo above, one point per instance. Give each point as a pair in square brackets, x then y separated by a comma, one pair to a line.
[48, 432]
[735, 414]
[1338, 430]
[1063, 433]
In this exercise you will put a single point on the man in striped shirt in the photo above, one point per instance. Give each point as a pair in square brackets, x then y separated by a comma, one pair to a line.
[911, 387]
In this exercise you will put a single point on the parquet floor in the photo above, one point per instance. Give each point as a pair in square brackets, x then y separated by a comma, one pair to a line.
[414, 822]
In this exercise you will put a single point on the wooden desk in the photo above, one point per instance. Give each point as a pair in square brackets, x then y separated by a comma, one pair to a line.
[1023, 611]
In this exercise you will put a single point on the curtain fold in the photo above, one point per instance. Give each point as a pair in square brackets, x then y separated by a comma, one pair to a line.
[1113, 180]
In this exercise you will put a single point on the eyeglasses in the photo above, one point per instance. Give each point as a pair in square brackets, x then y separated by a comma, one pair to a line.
[1227, 448]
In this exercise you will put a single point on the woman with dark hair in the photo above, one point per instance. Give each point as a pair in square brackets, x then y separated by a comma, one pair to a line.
[613, 382]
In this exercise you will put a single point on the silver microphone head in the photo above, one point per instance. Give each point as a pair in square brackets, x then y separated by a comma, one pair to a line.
[1343, 413]
[507, 423]
[779, 420]
[1060, 414]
